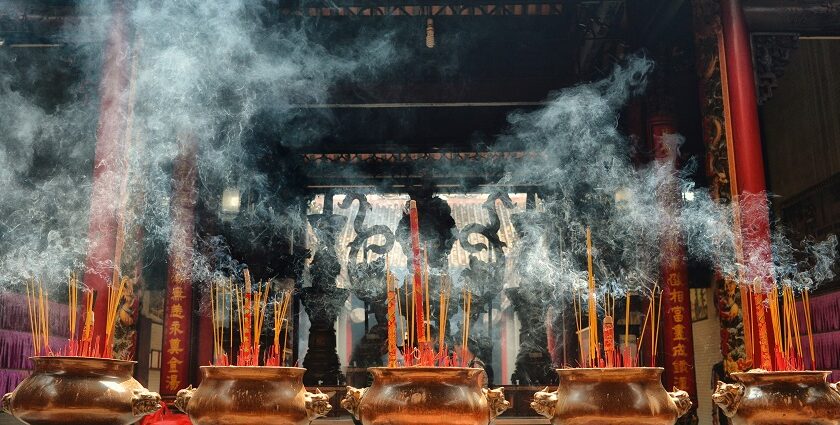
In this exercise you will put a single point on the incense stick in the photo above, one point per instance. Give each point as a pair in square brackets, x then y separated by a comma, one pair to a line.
[806, 304]
[593, 312]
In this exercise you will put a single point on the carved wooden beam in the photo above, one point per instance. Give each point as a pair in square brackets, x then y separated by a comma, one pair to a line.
[807, 17]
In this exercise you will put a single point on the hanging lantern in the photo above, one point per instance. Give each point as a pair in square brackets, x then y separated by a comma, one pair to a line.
[430, 33]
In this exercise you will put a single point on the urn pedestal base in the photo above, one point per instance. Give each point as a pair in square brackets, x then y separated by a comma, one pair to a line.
[80, 390]
[611, 397]
[425, 396]
[252, 395]
[780, 398]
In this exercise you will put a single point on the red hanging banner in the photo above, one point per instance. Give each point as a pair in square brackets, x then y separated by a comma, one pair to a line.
[676, 298]
[177, 322]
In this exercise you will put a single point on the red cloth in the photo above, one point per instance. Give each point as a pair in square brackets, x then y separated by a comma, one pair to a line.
[165, 417]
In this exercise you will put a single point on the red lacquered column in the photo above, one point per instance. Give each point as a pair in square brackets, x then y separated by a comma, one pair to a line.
[108, 172]
[749, 167]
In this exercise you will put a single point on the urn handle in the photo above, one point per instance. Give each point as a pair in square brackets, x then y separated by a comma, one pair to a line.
[682, 400]
[353, 400]
[144, 402]
[7, 403]
[182, 399]
[317, 404]
[496, 402]
[728, 397]
[545, 403]
[835, 387]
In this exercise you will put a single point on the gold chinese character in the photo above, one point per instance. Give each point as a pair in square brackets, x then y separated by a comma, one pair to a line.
[679, 333]
[175, 328]
[177, 311]
[173, 383]
[173, 364]
[681, 366]
[177, 294]
[678, 313]
[681, 382]
[676, 297]
[674, 279]
[679, 350]
[175, 346]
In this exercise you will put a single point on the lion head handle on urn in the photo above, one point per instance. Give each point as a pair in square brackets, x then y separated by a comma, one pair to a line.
[353, 400]
[317, 404]
[182, 399]
[7, 403]
[144, 402]
[496, 401]
[682, 400]
[545, 403]
[728, 397]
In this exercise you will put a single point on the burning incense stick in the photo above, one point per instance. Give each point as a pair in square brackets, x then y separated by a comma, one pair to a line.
[655, 322]
[578, 307]
[419, 323]
[445, 293]
[806, 304]
[114, 298]
[246, 317]
[627, 323]
[465, 337]
[593, 312]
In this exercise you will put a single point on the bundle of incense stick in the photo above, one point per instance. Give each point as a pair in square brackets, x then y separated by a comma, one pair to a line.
[593, 309]
[784, 317]
[465, 342]
[251, 321]
[114, 297]
[219, 294]
[806, 305]
[38, 304]
[281, 324]
[445, 294]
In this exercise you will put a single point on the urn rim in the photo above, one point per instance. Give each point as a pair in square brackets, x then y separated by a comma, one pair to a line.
[609, 374]
[426, 372]
[252, 372]
[82, 364]
[760, 375]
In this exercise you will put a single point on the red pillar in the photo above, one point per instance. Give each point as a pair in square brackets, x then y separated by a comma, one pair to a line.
[749, 169]
[678, 336]
[108, 171]
[177, 321]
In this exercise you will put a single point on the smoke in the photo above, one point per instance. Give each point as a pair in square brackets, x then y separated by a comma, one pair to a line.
[201, 73]
[589, 180]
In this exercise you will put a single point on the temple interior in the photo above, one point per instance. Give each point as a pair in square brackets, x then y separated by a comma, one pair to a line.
[515, 190]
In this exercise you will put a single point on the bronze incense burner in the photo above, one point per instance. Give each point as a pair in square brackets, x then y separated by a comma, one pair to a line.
[761, 398]
[611, 396]
[252, 395]
[80, 390]
[425, 396]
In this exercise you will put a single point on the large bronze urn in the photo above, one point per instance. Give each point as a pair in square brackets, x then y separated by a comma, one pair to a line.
[611, 396]
[761, 398]
[80, 390]
[425, 396]
[252, 395]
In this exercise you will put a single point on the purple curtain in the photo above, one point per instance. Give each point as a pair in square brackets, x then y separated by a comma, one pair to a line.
[9, 379]
[14, 315]
[825, 318]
